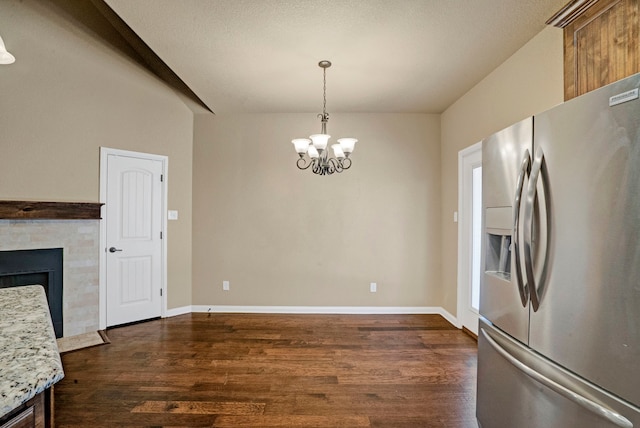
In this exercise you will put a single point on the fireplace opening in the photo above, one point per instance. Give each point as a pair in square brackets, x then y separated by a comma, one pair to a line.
[44, 267]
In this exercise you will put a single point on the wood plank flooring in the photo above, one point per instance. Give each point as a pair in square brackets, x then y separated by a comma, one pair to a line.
[264, 370]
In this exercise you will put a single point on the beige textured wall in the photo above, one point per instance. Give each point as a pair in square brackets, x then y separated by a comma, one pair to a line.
[527, 83]
[281, 236]
[287, 237]
[69, 93]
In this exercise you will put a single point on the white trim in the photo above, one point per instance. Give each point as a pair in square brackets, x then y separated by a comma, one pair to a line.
[463, 225]
[317, 309]
[353, 310]
[102, 284]
[447, 315]
[178, 311]
[104, 152]
[345, 310]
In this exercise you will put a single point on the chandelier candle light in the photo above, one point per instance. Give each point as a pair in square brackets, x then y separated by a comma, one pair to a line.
[315, 147]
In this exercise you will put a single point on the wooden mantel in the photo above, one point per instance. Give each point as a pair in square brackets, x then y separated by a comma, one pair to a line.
[33, 210]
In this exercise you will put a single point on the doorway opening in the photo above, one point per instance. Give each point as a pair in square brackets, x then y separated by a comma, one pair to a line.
[469, 235]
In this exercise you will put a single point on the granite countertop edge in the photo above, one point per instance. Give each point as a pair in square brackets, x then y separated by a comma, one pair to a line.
[29, 358]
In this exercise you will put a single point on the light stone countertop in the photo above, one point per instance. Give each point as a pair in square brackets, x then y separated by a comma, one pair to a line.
[29, 358]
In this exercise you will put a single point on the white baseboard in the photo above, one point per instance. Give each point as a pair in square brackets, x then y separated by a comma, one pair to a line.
[362, 310]
[178, 311]
[447, 315]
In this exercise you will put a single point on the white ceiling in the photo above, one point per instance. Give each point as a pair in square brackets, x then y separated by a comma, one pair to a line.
[388, 55]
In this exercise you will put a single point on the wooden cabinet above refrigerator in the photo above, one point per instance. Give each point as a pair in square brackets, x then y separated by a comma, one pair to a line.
[601, 43]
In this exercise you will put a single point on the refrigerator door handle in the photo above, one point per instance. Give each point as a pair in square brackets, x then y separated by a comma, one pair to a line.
[525, 168]
[537, 171]
[613, 417]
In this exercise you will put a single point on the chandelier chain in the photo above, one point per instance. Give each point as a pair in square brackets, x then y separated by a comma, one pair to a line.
[324, 90]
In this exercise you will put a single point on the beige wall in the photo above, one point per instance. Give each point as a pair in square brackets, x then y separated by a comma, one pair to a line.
[287, 237]
[69, 93]
[281, 236]
[527, 83]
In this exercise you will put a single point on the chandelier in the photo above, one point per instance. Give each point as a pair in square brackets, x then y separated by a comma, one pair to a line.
[315, 147]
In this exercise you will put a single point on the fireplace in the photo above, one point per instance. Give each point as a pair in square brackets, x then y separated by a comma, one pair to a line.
[75, 228]
[40, 266]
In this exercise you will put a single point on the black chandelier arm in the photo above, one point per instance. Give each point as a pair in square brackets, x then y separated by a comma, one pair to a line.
[326, 166]
[318, 168]
[303, 164]
[332, 166]
[335, 165]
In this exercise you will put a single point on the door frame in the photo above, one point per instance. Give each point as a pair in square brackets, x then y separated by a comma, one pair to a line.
[104, 153]
[465, 232]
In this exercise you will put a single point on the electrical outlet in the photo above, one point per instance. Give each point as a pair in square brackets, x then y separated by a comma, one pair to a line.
[225, 285]
[373, 287]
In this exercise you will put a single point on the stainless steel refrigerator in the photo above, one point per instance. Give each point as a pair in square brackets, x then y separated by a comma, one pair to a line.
[559, 333]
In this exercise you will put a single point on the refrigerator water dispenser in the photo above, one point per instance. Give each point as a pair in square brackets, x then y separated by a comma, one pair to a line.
[498, 242]
[498, 257]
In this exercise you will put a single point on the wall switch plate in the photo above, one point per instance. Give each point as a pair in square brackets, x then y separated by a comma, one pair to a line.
[172, 215]
[455, 216]
[373, 287]
[225, 285]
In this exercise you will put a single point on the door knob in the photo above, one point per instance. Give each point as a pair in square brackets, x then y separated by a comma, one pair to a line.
[114, 249]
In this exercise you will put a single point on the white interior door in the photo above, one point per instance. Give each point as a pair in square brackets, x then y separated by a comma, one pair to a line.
[133, 239]
[469, 235]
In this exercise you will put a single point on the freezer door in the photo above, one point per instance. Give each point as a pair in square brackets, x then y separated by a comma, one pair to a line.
[505, 167]
[519, 388]
[588, 319]
[502, 155]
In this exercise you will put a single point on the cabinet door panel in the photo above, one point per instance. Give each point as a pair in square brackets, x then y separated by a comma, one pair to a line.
[601, 46]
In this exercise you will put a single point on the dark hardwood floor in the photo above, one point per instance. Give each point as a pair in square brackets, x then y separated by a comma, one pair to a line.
[259, 370]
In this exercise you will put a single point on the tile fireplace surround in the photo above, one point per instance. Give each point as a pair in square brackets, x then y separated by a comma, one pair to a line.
[80, 240]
